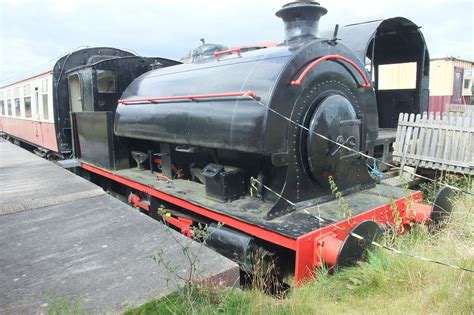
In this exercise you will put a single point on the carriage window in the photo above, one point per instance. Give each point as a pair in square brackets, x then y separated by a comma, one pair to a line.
[17, 107]
[8, 110]
[105, 81]
[45, 107]
[45, 99]
[27, 100]
[9, 107]
[2, 104]
[45, 86]
[16, 96]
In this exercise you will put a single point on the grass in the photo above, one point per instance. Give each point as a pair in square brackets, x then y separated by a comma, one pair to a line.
[61, 306]
[386, 283]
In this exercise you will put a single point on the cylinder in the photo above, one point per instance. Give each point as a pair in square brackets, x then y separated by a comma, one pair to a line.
[232, 244]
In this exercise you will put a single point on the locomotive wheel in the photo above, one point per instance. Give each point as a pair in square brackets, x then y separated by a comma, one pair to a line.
[442, 206]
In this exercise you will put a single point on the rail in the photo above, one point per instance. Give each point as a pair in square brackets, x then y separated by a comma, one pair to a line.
[225, 52]
[308, 68]
[250, 94]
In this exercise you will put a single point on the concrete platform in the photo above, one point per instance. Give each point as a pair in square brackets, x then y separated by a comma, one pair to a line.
[28, 182]
[61, 237]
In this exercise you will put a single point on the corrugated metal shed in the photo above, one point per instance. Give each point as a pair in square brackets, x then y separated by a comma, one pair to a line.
[441, 77]
[440, 103]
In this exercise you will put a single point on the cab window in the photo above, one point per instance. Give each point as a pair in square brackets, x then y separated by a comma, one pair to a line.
[105, 81]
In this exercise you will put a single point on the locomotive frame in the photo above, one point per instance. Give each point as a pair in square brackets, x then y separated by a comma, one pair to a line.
[305, 251]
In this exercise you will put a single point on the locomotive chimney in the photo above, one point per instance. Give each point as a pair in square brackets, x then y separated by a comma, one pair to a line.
[301, 19]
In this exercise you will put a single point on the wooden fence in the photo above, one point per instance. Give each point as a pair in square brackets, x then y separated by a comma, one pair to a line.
[441, 142]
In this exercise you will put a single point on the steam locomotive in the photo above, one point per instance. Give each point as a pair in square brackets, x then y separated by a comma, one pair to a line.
[260, 140]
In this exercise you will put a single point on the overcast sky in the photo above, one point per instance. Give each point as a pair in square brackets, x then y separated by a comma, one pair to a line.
[35, 31]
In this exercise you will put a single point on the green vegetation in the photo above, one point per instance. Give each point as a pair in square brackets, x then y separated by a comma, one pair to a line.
[61, 306]
[386, 283]
[430, 189]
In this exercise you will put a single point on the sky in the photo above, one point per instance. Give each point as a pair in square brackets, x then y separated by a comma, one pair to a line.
[36, 31]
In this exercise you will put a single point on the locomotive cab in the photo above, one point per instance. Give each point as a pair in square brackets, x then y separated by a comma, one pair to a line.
[97, 85]
[94, 89]
[388, 48]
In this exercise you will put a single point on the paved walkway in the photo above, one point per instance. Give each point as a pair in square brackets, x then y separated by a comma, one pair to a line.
[62, 238]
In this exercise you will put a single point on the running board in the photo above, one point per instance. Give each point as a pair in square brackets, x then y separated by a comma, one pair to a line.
[69, 163]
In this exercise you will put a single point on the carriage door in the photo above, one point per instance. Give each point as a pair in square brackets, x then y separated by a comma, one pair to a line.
[75, 95]
[37, 122]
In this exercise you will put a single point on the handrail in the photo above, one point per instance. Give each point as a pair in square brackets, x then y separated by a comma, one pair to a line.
[228, 51]
[250, 94]
[298, 81]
